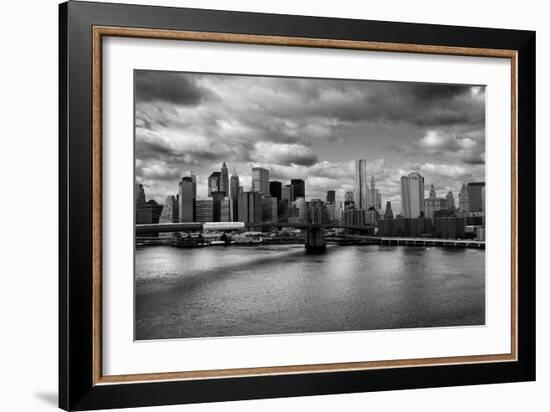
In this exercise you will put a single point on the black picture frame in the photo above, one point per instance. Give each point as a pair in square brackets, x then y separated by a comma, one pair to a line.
[77, 390]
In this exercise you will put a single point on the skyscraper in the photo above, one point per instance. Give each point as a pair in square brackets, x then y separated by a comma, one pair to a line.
[250, 207]
[269, 209]
[260, 180]
[361, 201]
[433, 203]
[204, 209]
[139, 194]
[331, 196]
[286, 196]
[412, 195]
[186, 200]
[224, 180]
[234, 195]
[388, 214]
[463, 203]
[450, 201]
[214, 183]
[170, 210]
[275, 189]
[474, 196]
[298, 188]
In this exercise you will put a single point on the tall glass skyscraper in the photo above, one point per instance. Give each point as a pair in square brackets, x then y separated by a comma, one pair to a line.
[361, 190]
[260, 180]
[298, 188]
[412, 195]
[224, 180]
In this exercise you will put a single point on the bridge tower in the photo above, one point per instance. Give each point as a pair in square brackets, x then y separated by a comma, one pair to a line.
[315, 240]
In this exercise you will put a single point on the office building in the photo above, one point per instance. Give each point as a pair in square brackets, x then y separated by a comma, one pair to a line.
[300, 204]
[269, 209]
[234, 191]
[353, 217]
[148, 212]
[226, 210]
[361, 189]
[186, 199]
[287, 195]
[449, 227]
[433, 204]
[371, 215]
[170, 210]
[204, 209]
[224, 180]
[214, 183]
[349, 202]
[260, 180]
[139, 194]
[316, 212]
[275, 189]
[298, 188]
[463, 204]
[412, 195]
[331, 196]
[250, 207]
[450, 201]
[373, 196]
[475, 197]
[388, 213]
[331, 211]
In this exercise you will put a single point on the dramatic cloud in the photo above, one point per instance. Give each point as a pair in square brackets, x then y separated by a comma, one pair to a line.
[309, 129]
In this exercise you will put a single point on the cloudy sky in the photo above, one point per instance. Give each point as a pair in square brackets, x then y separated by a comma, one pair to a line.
[309, 129]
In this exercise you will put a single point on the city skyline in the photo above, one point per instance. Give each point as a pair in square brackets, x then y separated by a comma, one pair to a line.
[310, 129]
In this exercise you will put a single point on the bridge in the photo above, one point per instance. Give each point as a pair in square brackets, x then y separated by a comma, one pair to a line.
[315, 233]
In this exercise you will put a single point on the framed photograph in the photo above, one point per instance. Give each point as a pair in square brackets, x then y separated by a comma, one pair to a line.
[257, 205]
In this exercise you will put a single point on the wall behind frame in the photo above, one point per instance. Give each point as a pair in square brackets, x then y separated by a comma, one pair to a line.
[28, 166]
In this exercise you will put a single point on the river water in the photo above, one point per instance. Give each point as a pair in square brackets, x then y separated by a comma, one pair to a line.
[258, 290]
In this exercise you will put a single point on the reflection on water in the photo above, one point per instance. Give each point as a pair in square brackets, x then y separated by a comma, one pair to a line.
[233, 291]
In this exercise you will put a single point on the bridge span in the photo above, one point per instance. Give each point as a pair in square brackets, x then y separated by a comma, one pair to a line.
[315, 241]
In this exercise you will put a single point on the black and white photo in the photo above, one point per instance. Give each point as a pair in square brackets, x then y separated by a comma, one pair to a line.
[276, 205]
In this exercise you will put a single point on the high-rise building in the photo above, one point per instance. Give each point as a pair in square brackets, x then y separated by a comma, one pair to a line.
[214, 183]
[204, 209]
[217, 198]
[269, 209]
[260, 180]
[412, 195]
[170, 210]
[388, 214]
[374, 199]
[234, 195]
[275, 189]
[474, 196]
[298, 188]
[224, 180]
[353, 217]
[463, 204]
[139, 194]
[331, 210]
[331, 196]
[372, 215]
[250, 207]
[300, 204]
[450, 200]
[186, 199]
[226, 210]
[169, 214]
[316, 212]
[361, 190]
[286, 196]
[433, 203]
[148, 212]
